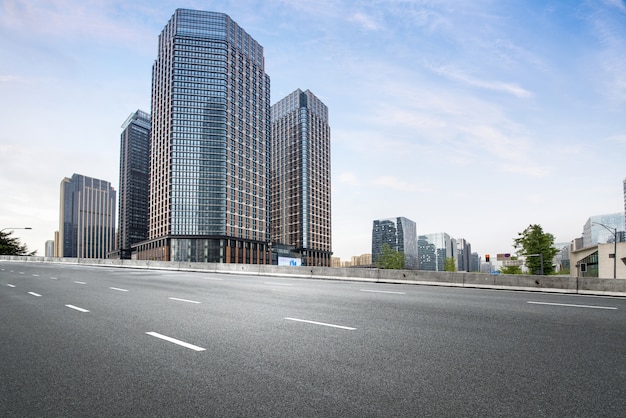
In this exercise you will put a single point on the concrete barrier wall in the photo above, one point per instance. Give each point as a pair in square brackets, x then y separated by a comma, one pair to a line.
[561, 284]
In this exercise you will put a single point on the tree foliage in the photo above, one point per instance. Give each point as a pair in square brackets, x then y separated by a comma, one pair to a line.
[390, 258]
[534, 241]
[450, 265]
[12, 245]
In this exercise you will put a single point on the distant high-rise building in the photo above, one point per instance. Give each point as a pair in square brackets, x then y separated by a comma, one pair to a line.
[300, 177]
[87, 218]
[624, 204]
[400, 234]
[134, 182]
[464, 252]
[434, 249]
[594, 233]
[475, 262]
[49, 248]
[209, 165]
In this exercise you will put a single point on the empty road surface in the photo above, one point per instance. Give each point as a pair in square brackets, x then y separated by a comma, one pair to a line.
[96, 341]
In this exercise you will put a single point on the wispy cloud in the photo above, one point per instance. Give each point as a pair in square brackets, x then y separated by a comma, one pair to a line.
[607, 23]
[618, 4]
[365, 21]
[620, 139]
[8, 78]
[394, 183]
[509, 88]
[349, 178]
[70, 19]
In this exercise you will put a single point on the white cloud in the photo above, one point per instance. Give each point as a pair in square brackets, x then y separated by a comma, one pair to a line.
[509, 88]
[7, 78]
[365, 21]
[69, 19]
[349, 178]
[391, 182]
[618, 4]
[621, 139]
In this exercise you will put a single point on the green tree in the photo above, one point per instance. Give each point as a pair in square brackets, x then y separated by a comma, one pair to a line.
[450, 265]
[12, 245]
[534, 241]
[390, 258]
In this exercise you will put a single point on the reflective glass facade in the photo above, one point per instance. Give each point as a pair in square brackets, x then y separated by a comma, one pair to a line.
[87, 218]
[134, 182]
[594, 233]
[209, 175]
[300, 177]
[434, 249]
[463, 254]
[400, 234]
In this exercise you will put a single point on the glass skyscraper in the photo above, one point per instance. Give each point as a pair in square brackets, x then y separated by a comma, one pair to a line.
[134, 182]
[400, 234]
[300, 177]
[594, 233]
[209, 173]
[87, 218]
[434, 249]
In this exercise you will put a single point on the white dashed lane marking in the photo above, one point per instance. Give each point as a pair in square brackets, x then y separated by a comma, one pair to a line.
[76, 308]
[185, 300]
[175, 341]
[321, 323]
[572, 306]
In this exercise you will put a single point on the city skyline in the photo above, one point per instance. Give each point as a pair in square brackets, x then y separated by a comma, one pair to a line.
[474, 119]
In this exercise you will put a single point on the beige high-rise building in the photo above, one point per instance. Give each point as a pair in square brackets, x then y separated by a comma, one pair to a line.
[87, 218]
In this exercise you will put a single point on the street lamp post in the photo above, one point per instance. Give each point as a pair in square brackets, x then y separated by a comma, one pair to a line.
[26, 227]
[614, 232]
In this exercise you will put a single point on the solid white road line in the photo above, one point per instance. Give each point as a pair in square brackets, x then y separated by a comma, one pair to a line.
[34, 294]
[10, 285]
[175, 341]
[573, 306]
[118, 289]
[279, 284]
[79, 282]
[77, 308]
[185, 300]
[383, 291]
[320, 323]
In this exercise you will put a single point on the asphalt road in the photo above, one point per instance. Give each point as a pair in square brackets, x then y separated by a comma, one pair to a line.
[82, 341]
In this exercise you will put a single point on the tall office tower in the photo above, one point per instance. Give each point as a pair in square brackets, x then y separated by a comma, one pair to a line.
[209, 165]
[400, 234]
[87, 218]
[625, 204]
[300, 177]
[134, 182]
[434, 249]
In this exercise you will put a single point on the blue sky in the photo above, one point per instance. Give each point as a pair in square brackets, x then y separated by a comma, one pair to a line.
[476, 118]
